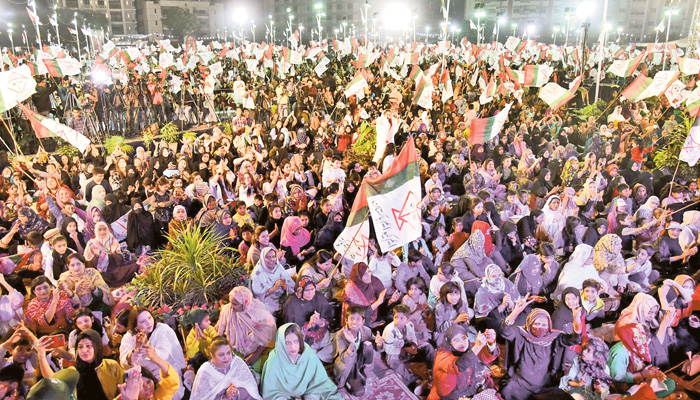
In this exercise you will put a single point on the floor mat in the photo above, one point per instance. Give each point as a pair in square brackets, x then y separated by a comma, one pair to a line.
[382, 384]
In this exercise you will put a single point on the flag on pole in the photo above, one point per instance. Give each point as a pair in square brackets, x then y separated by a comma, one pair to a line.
[537, 75]
[393, 199]
[47, 127]
[662, 80]
[386, 130]
[353, 241]
[357, 84]
[472, 24]
[514, 44]
[689, 66]
[690, 152]
[482, 130]
[625, 68]
[33, 16]
[638, 86]
[52, 20]
[555, 96]
[16, 85]
[62, 66]
[424, 95]
[693, 103]
[660, 27]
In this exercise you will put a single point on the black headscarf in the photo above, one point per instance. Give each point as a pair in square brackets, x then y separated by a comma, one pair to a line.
[563, 314]
[139, 227]
[64, 232]
[130, 180]
[592, 236]
[89, 386]
[541, 182]
[114, 210]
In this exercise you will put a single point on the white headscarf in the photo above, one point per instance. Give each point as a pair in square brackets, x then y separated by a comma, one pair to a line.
[577, 270]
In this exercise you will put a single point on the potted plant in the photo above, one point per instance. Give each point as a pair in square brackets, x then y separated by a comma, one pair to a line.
[115, 141]
[170, 134]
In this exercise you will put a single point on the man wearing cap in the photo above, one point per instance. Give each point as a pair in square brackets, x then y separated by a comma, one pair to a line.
[59, 387]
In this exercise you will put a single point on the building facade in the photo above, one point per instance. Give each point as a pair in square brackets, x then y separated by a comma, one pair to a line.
[121, 14]
[210, 16]
[635, 19]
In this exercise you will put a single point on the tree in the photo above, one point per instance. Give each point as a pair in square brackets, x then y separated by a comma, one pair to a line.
[179, 21]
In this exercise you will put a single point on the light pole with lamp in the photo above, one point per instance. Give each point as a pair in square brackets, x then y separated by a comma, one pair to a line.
[669, 13]
[619, 34]
[500, 21]
[12, 40]
[427, 31]
[603, 39]
[252, 29]
[556, 29]
[365, 20]
[479, 14]
[24, 38]
[319, 13]
[514, 26]
[301, 33]
[55, 19]
[529, 30]
[77, 34]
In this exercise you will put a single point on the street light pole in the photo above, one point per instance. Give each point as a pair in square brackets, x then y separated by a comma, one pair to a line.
[514, 26]
[601, 46]
[9, 33]
[670, 13]
[77, 34]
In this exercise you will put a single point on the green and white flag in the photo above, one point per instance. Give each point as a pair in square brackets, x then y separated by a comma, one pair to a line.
[393, 199]
[16, 85]
[357, 84]
[353, 241]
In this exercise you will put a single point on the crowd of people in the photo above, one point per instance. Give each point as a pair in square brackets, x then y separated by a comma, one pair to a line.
[556, 260]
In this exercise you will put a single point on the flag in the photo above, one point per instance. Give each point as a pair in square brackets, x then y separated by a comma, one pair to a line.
[472, 24]
[537, 75]
[62, 66]
[573, 85]
[693, 103]
[416, 73]
[424, 95]
[484, 129]
[638, 86]
[514, 44]
[393, 199]
[676, 94]
[625, 68]
[660, 27]
[130, 55]
[689, 66]
[119, 227]
[33, 16]
[322, 66]
[662, 80]
[15, 85]
[46, 127]
[357, 84]
[555, 96]
[386, 129]
[690, 152]
[353, 241]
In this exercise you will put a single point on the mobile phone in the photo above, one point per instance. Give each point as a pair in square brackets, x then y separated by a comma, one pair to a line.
[56, 342]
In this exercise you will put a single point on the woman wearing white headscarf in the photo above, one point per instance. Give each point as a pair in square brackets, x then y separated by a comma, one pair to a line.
[269, 280]
[578, 269]
[554, 221]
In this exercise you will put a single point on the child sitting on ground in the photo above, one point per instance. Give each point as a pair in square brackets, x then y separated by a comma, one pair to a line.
[355, 351]
[403, 347]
